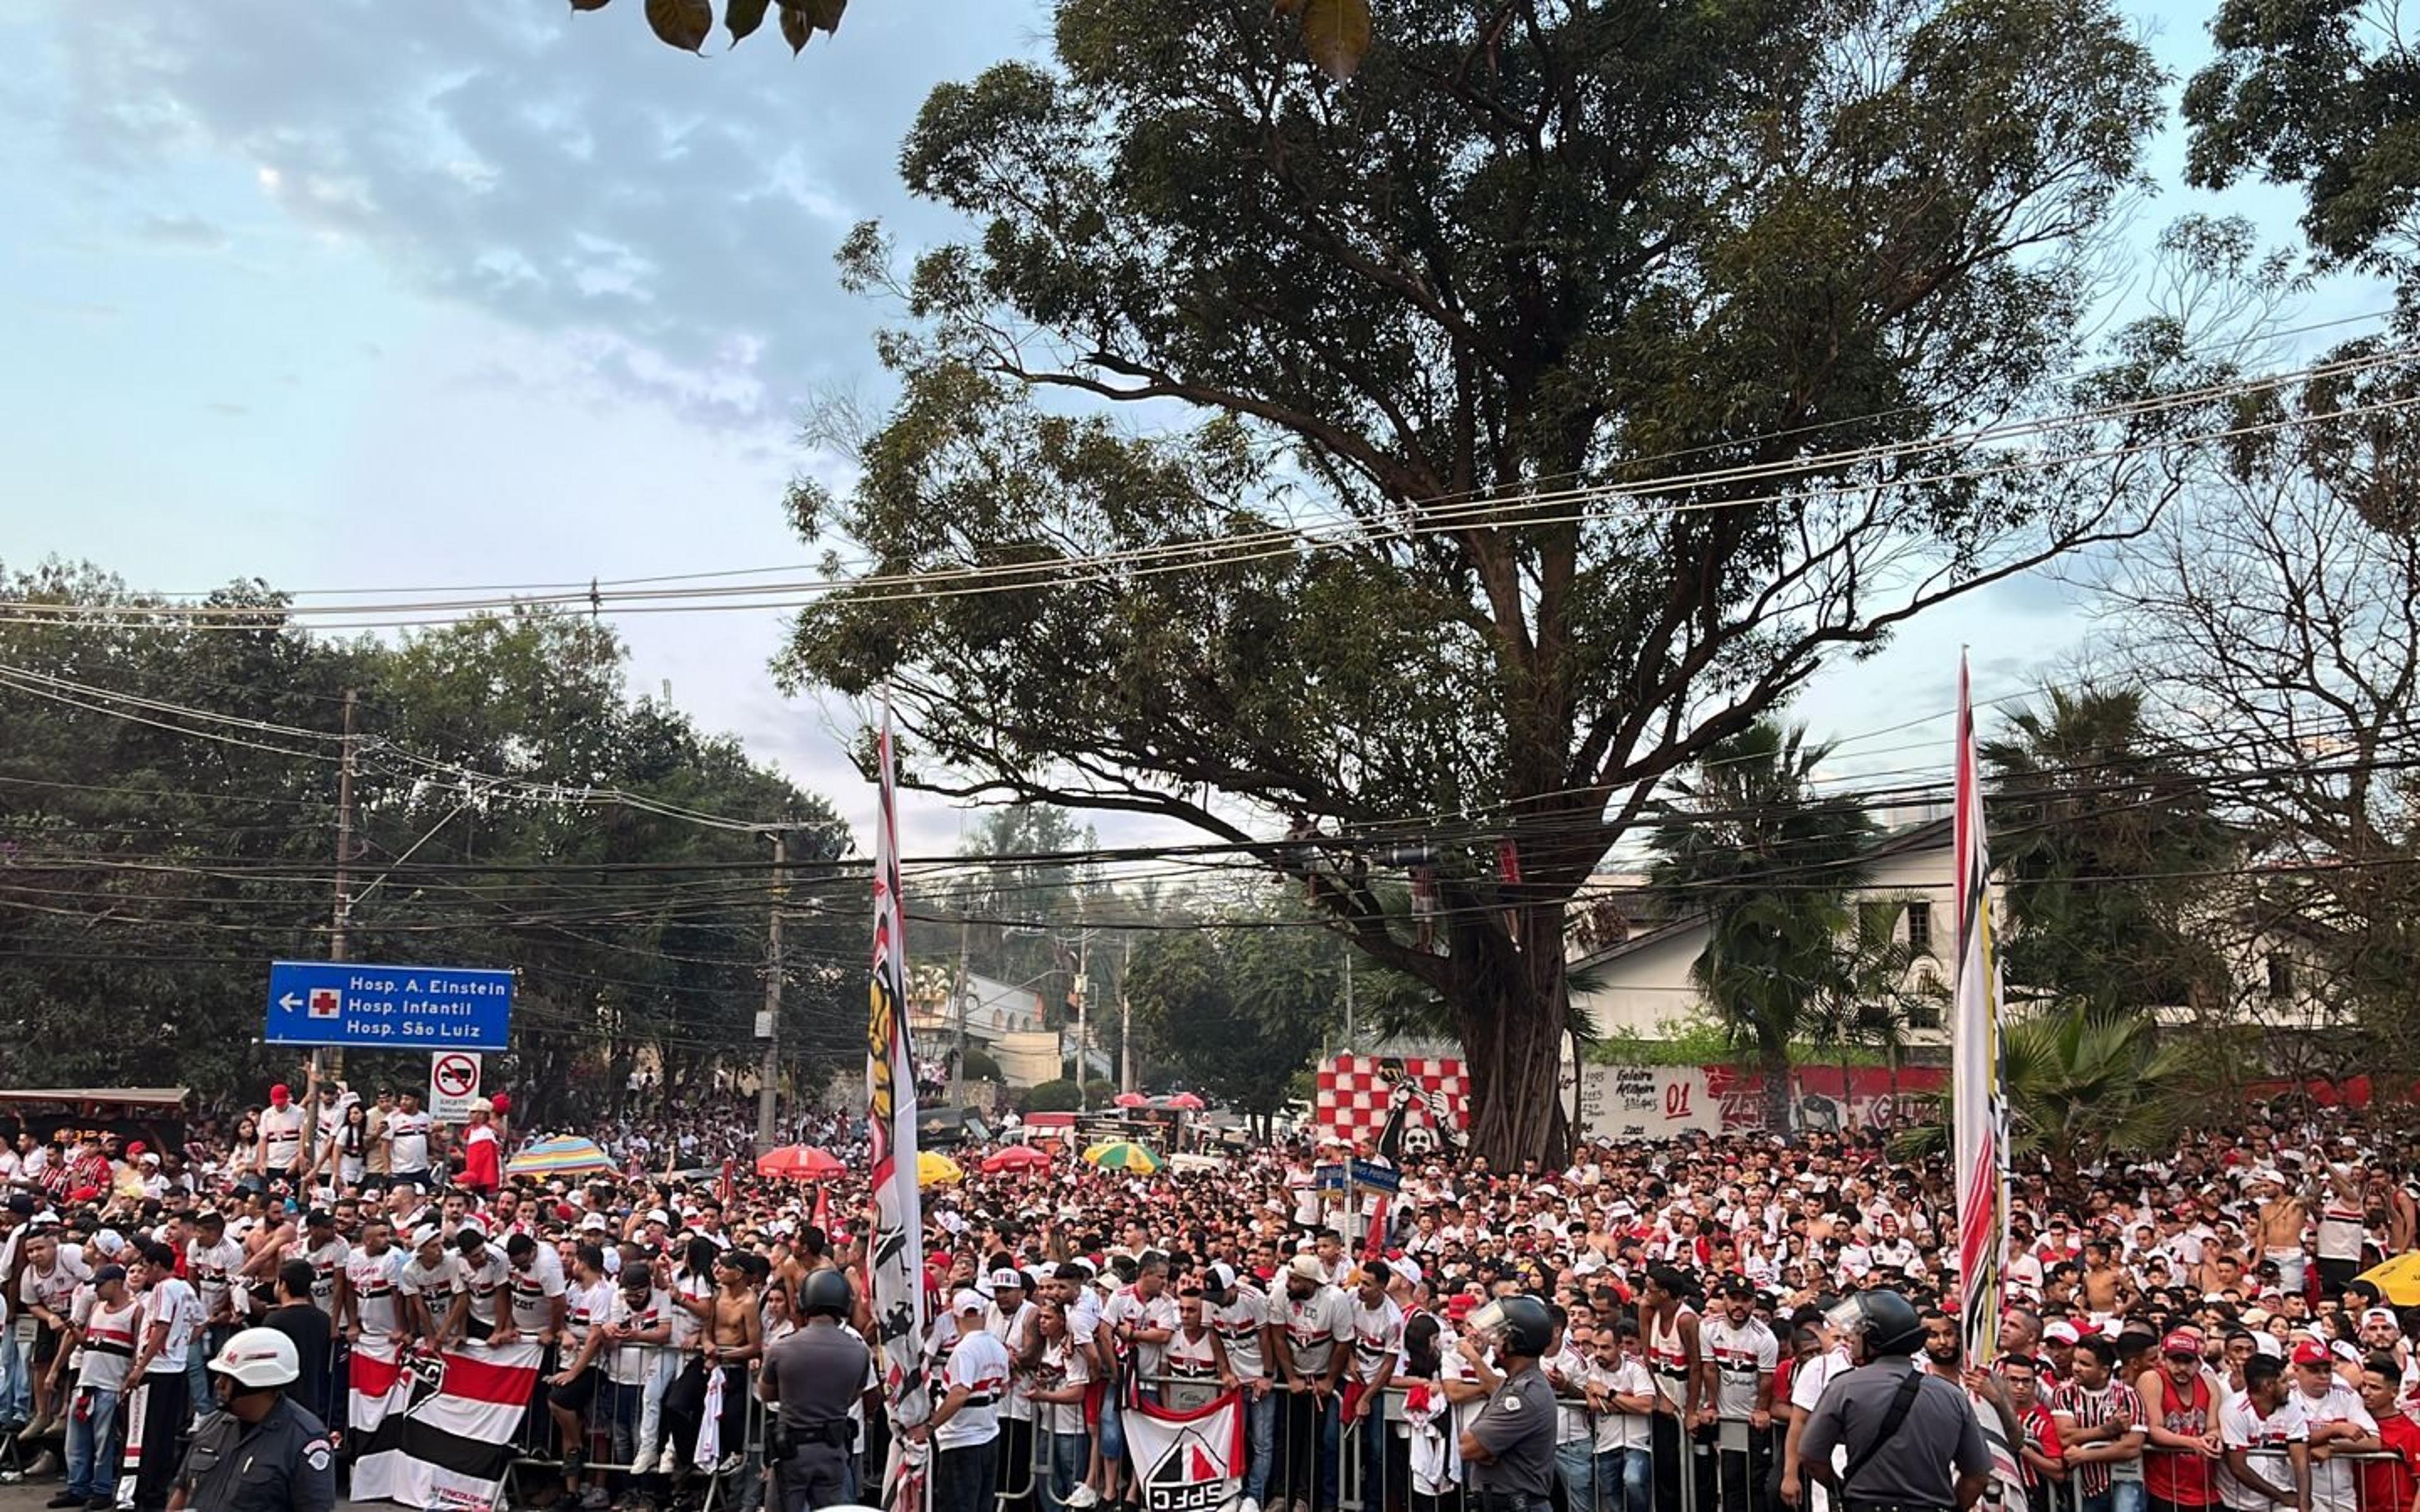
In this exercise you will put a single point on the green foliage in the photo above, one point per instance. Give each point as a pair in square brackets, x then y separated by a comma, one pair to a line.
[1237, 1011]
[1059, 1096]
[979, 1066]
[1098, 1092]
[2106, 838]
[1563, 246]
[148, 871]
[2317, 96]
[2082, 1084]
[686, 24]
[1745, 842]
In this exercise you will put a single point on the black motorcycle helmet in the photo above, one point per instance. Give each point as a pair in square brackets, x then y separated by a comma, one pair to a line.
[826, 1294]
[1887, 1321]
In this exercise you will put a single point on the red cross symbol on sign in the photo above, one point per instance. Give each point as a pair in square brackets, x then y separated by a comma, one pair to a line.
[455, 1075]
[327, 1003]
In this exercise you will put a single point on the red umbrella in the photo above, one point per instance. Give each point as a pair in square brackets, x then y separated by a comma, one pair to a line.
[1187, 1102]
[1015, 1158]
[801, 1163]
[1130, 1100]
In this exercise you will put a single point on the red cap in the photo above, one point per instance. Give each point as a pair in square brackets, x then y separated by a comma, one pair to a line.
[1459, 1306]
[280, 1095]
[134, 1148]
[2311, 1351]
[2181, 1342]
[502, 1102]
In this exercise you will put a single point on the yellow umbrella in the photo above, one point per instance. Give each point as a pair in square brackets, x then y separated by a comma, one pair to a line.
[2398, 1280]
[1122, 1155]
[933, 1168]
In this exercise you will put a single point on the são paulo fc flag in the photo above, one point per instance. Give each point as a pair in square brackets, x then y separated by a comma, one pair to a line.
[1187, 1461]
[452, 1446]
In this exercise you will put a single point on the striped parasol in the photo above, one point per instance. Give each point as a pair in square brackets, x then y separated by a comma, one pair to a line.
[1123, 1155]
[564, 1155]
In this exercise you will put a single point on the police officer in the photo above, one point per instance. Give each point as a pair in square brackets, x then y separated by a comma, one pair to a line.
[815, 1376]
[258, 1452]
[1912, 1441]
[1509, 1446]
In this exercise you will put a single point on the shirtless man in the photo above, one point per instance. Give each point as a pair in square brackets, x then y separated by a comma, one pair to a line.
[2283, 1215]
[733, 1322]
[2107, 1289]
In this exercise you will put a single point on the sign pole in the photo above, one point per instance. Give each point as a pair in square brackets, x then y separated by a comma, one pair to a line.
[341, 923]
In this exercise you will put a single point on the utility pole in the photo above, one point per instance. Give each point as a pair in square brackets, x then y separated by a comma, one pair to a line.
[768, 1023]
[1126, 1022]
[1083, 1041]
[340, 925]
[1348, 1000]
[959, 1012]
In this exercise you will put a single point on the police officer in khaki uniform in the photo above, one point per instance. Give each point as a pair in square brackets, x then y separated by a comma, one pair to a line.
[813, 1376]
[1509, 1446]
[258, 1452]
[1912, 1441]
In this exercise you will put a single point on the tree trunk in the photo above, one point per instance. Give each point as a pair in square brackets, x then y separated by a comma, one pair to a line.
[1509, 1006]
[1773, 1061]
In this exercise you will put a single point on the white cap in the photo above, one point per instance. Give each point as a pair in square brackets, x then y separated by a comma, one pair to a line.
[967, 1302]
[1007, 1278]
[595, 1224]
[2061, 1332]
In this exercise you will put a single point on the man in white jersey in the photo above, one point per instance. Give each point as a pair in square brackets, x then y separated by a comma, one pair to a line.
[965, 1425]
[283, 1130]
[1009, 1318]
[428, 1284]
[106, 1315]
[407, 1135]
[1377, 1346]
[2334, 1423]
[1239, 1314]
[1741, 1355]
[535, 1282]
[319, 1246]
[172, 1317]
[1315, 1325]
[2268, 1453]
[371, 1298]
[587, 1308]
[479, 1294]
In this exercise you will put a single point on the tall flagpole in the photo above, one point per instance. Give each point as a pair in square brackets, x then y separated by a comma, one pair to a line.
[895, 1249]
[1981, 1128]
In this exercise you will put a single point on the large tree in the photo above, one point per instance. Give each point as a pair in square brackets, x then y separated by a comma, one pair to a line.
[1467, 447]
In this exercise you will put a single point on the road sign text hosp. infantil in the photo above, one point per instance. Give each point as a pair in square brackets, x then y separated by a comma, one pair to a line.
[397, 1008]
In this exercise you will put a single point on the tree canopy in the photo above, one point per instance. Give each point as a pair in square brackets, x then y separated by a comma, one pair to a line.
[1501, 431]
[155, 855]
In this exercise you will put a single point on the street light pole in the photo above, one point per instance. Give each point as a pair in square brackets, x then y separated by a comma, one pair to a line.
[769, 1030]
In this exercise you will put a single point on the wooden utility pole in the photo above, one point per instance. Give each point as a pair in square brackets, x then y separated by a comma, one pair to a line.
[340, 924]
[768, 1074]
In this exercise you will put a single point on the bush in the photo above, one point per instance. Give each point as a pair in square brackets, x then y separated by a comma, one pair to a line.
[1098, 1094]
[1052, 1097]
[979, 1066]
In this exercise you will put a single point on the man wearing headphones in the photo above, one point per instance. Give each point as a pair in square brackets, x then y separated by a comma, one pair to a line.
[258, 1452]
[1912, 1441]
[1509, 1446]
[815, 1376]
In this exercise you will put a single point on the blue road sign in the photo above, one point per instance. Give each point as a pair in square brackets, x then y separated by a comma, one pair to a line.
[388, 1008]
[1384, 1178]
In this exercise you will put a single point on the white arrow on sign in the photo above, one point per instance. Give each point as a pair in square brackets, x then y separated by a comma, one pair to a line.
[290, 1002]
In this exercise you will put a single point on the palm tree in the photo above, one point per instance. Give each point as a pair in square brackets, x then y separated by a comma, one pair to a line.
[2081, 1083]
[2085, 790]
[1875, 991]
[1745, 840]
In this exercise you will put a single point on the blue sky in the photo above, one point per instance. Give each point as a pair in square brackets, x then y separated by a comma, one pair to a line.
[356, 295]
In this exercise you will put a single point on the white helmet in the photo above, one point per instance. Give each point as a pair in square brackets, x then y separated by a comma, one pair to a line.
[259, 1358]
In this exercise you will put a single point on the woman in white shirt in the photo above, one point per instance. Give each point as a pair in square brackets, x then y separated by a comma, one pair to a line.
[1060, 1378]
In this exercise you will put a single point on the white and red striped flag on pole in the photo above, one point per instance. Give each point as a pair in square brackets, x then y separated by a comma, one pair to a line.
[896, 1247]
[1981, 1133]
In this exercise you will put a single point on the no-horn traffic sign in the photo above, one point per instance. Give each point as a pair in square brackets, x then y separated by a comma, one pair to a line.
[452, 1082]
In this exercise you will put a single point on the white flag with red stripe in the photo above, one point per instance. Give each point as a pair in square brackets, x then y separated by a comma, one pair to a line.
[451, 1448]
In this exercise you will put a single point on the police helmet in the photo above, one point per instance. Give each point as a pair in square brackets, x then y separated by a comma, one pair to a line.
[259, 1359]
[826, 1294]
[1887, 1321]
[1526, 1328]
